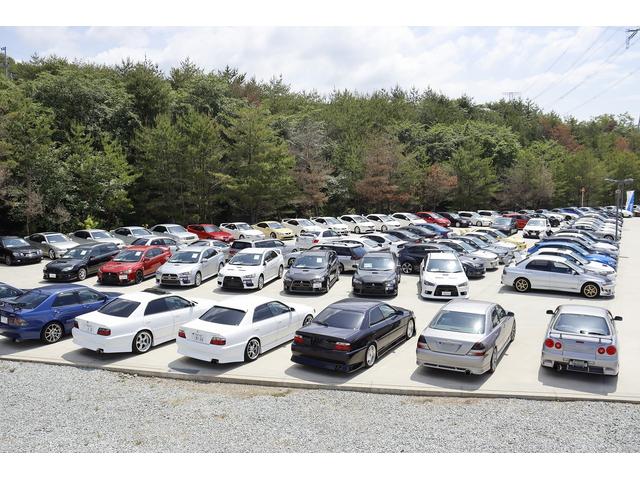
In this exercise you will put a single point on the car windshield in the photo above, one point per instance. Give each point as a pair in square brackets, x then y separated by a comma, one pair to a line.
[462, 322]
[185, 257]
[436, 216]
[377, 263]
[386, 218]
[536, 222]
[359, 219]
[331, 221]
[223, 315]
[211, 228]
[129, 256]
[467, 247]
[409, 236]
[274, 225]
[502, 221]
[30, 299]
[584, 324]
[119, 307]
[338, 318]
[249, 259]
[7, 291]
[57, 238]
[139, 241]
[100, 234]
[310, 261]
[305, 222]
[140, 231]
[78, 253]
[439, 265]
[177, 229]
[243, 226]
[478, 242]
[15, 242]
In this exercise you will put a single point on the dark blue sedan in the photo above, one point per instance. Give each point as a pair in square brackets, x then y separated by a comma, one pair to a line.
[595, 257]
[47, 313]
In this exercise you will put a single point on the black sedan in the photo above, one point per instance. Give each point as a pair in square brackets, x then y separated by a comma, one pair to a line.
[313, 271]
[455, 219]
[378, 273]
[411, 256]
[351, 334]
[16, 250]
[81, 261]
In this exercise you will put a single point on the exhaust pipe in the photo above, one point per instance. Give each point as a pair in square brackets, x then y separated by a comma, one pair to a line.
[558, 367]
[467, 372]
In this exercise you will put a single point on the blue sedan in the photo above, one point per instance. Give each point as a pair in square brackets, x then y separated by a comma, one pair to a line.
[595, 257]
[7, 291]
[47, 313]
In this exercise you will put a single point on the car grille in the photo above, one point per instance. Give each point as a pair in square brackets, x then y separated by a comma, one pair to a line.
[110, 277]
[373, 286]
[232, 282]
[301, 285]
[446, 288]
[170, 279]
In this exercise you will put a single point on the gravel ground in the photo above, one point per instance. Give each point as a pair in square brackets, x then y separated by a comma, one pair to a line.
[66, 409]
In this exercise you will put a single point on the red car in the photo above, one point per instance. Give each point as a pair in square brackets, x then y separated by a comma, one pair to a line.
[208, 230]
[133, 264]
[433, 217]
[521, 219]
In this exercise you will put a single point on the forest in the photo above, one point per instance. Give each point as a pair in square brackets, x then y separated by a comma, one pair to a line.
[101, 146]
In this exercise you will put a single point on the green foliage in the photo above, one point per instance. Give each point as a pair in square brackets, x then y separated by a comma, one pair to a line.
[477, 179]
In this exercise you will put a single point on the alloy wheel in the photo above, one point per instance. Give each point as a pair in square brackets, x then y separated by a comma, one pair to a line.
[52, 254]
[407, 267]
[252, 350]
[82, 274]
[260, 282]
[521, 285]
[370, 357]
[198, 279]
[410, 329]
[590, 290]
[52, 333]
[142, 342]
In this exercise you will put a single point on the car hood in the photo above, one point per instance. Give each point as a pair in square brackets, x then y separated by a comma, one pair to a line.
[283, 231]
[241, 269]
[439, 278]
[173, 267]
[115, 240]
[116, 267]
[306, 273]
[63, 245]
[24, 249]
[59, 264]
[375, 275]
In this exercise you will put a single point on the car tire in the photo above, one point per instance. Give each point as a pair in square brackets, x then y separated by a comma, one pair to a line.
[241, 237]
[478, 224]
[260, 282]
[197, 281]
[493, 364]
[82, 274]
[52, 254]
[142, 342]
[290, 262]
[590, 290]
[307, 320]
[383, 228]
[139, 276]
[522, 285]
[273, 235]
[608, 237]
[252, 350]
[407, 268]
[340, 268]
[51, 333]
[411, 329]
[512, 337]
[370, 355]
[356, 230]
[8, 260]
[280, 271]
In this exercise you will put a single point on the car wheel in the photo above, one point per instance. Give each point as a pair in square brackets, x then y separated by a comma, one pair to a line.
[590, 290]
[513, 333]
[407, 267]
[383, 228]
[411, 329]
[494, 361]
[252, 350]
[139, 276]
[307, 320]
[52, 254]
[241, 237]
[290, 262]
[280, 271]
[521, 285]
[142, 342]
[370, 356]
[273, 235]
[608, 237]
[52, 332]
[356, 230]
[341, 268]
[198, 280]
[302, 232]
[260, 282]
[478, 224]
[82, 274]
[8, 260]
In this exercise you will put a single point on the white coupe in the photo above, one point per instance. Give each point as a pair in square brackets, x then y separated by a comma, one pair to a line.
[241, 329]
[241, 230]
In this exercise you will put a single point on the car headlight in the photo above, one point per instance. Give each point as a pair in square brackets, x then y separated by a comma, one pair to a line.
[390, 283]
[464, 284]
[67, 269]
[356, 280]
[127, 271]
[428, 284]
[247, 277]
[184, 274]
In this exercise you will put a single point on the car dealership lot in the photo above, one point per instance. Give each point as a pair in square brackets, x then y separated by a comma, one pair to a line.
[518, 375]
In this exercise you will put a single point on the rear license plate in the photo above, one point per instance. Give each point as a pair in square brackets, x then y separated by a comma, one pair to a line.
[51, 275]
[446, 294]
[88, 329]
[579, 363]
[4, 319]
[317, 285]
[197, 337]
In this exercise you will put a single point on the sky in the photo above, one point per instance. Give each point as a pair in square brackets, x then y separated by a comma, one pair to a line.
[579, 71]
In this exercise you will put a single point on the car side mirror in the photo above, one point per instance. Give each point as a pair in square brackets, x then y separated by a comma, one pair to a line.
[291, 309]
[264, 263]
[549, 312]
[617, 318]
[511, 314]
[92, 257]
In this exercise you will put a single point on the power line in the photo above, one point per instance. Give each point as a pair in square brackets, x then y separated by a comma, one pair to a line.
[553, 64]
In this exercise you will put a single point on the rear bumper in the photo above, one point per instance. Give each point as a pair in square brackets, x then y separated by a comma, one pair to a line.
[584, 365]
[327, 360]
[210, 353]
[456, 363]
[20, 333]
[90, 341]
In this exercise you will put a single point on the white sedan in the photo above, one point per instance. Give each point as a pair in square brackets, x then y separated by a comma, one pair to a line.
[242, 230]
[358, 224]
[406, 219]
[301, 225]
[241, 329]
[135, 322]
[383, 222]
[442, 276]
[252, 268]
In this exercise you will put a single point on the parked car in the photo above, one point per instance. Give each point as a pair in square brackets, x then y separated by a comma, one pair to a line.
[366, 243]
[313, 271]
[252, 268]
[16, 250]
[442, 276]
[210, 231]
[603, 248]
[240, 329]
[309, 239]
[521, 219]
[549, 272]
[589, 255]
[285, 248]
[491, 240]
[491, 214]
[514, 240]
[7, 291]
[411, 256]
[383, 222]
[575, 257]
[581, 338]
[51, 244]
[433, 217]
[349, 254]
[404, 236]
[474, 218]
[351, 334]
[242, 231]
[378, 273]
[455, 219]
[94, 235]
[191, 266]
[406, 218]
[331, 223]
[177, 232]
[274, 230]
[467, 336]
[80, 262]
[432, 228]
[488, 259]
[301, 225]
[47, 313]
[131, 233]
[536, 228]
[357, 224]
[136, 322]
[386, 241]
[133, 265]
[223, 247]
[506, 225]
[157, 241]
[505, 255]
[425, 234]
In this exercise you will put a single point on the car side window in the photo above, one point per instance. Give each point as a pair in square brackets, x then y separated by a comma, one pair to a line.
[157, 242]
[278, 308]
[66, 299]
[387, 311]
[160, 229]
[156, 306]
[261, 313]
[495, 317]
[170, 242]
[89, 296]
[375, 316]
[561, 268]
[176, 303]
[541, 265]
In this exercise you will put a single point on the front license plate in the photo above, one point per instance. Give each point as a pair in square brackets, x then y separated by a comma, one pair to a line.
[122, 277]
[4, 319]
[197, 337]
[446, 294]
[317, 285]
[52, 275]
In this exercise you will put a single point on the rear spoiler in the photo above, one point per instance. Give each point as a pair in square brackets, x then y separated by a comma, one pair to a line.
[582, 335]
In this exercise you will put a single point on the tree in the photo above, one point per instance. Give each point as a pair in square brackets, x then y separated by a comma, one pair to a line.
[529, 183]
[476, 177]
[434, 185]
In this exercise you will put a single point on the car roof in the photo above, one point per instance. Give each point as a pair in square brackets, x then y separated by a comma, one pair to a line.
[167, 225]
[553, 258]
[443, 256]
[379, 254]
[246, 303]
[256, 250]
[53, 289]
[469, 306]
[583, 310]
[196, 248]
[90, 245]
[356, 304]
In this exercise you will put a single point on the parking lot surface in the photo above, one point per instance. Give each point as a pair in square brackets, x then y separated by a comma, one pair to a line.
[518, 374]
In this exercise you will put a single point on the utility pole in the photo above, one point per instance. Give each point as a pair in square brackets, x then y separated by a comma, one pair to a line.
[631, 32]
[511, 95]
[6, 62]
[582, 190]
[620, 183]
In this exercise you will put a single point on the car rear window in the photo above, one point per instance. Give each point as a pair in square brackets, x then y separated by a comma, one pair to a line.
[463, 322]
[338, 318]
[223, 315]
[30, 299]
[239, 245]
[119, 308]
[581, 324]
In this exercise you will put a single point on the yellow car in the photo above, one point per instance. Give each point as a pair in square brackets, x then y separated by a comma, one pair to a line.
[274, 230]
[513, 239]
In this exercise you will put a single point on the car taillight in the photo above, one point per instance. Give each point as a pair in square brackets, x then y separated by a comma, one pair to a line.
[478, 349]
[422, 342]
[356, 257]
[17, 321]
[105, 332]
[181, 334]
[218, 341]
[602, 351]
[343, 346]
[298, 339]
[548, 343]
[315, 240]
[75, 324]
[558, 345]
[611, 350]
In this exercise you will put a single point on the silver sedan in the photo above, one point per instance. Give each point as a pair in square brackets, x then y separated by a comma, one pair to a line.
[53, 244]
[466, 336]
[190, 266]
[583, 339]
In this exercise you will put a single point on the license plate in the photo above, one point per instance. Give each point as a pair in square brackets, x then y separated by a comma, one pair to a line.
[4, 319]
[198, 337]
[317, 284]
[579, 363]
[446, 294]
[122, 277]
[88, 329]
[52, 275]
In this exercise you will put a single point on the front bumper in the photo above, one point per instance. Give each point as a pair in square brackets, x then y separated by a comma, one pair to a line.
[374, 288]
[172, 279]
[585, 365]
[237, 283]
[457, 363]
[607, 290]
[25, 260]
[60, 276]
[443, 291]
[310, 286]
[113, 278]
